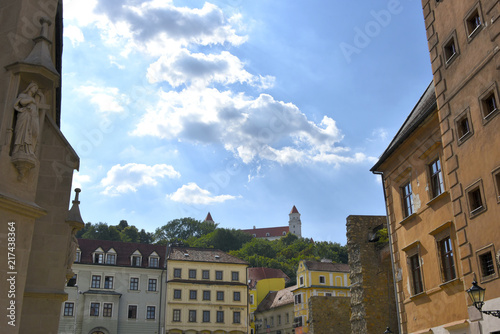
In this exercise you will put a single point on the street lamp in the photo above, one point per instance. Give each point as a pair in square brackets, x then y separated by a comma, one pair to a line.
[476, 294]
[388, 331]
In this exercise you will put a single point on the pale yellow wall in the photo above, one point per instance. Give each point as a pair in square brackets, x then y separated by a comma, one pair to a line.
[228, 305]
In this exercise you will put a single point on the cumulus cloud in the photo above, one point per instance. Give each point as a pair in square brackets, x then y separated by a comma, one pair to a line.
[159, 26]
[200, 69]
[191, 193]
[74, 34]
[79, 180]
[106, 99]
[251, 128]
[128, 178]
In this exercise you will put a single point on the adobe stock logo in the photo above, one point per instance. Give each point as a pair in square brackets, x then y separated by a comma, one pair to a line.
[363, 37]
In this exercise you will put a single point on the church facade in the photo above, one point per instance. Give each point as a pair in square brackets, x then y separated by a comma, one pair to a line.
[36, 163]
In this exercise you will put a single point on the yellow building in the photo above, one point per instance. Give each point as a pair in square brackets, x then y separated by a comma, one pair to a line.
[317, 279]
[261, 281]
[206, 292]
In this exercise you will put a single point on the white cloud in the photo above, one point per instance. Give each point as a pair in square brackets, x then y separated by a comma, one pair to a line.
[107, 99]
[191, 193]
[379, 134]
[74, 34]
[251, 128]
[200, 69]
[128, 178]
[79, 180]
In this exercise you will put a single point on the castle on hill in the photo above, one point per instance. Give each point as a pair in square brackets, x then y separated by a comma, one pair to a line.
[273, 233]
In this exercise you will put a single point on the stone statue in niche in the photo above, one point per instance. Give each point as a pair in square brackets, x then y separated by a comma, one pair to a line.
[28, 124]
[27, 128]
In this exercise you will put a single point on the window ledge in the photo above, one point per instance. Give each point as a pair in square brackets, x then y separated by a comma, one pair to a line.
[407, 219]
[450, 282]
[134, 291]
[419, 295]
[476, 212]
[438, 198]
[489, 278]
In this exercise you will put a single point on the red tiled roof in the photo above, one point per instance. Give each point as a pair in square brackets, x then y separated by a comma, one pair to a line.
[327, 266]
[273, 231]
[181, 253]
[209, 218]
[258, 273]
[276, 299]
[294, 210]
[124, 251]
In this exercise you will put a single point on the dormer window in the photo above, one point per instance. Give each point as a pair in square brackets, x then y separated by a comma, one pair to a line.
[78, 255]
[136, 259]
[98, 256]
[111, 256]
[154, 262]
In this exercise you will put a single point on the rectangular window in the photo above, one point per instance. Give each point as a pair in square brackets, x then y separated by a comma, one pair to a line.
[150, 312]
[132, 311]
[475, 200]
[236, 296]
[192, 315]
[205, 274]
[220, 295]
[251, 299]
[416, 274]
[447, 260]
[496, 181]
[464, 126]
[94, 309]
[218, 275]
[134, 283]
[437, 186]
[407, 200]
[107, 310]
[272, 321]
[450, 50]
[152, 284]
[473, 22]
[108, 282]
[235, 276]
[72, 281]
[236, 317]
[322, 280]
[279, 319]
[487, 264]
[298, 299]
[154, 262]
[192, 273]
[206, 316]
[177, 294]
[287, 315]
[111, 259]
[96, 282]
[78, 256]
[98, 258]
[193, 294]
[489, 104]
[206, 294]
[136, 261]
[220, 316]
[301, 280]
[68, 309]
[177, 273]
[176, 316]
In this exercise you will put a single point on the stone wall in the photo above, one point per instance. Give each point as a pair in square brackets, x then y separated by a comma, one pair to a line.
[329, 315]
[373, 306]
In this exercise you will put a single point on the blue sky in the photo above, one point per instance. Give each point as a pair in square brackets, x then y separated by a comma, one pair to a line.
[240, 108]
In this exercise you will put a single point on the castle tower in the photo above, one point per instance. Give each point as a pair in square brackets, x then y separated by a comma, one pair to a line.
[295, 225]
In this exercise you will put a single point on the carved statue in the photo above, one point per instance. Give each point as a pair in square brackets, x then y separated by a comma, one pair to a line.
[27, 125]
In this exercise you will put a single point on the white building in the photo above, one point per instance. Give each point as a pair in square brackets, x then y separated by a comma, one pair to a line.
[117, 288]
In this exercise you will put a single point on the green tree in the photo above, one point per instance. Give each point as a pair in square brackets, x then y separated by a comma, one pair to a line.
[99, 231]
[145, 237]
[130, 234]
[183, 229]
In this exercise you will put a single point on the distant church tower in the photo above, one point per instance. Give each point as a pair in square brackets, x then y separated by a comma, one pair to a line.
[295, 225]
